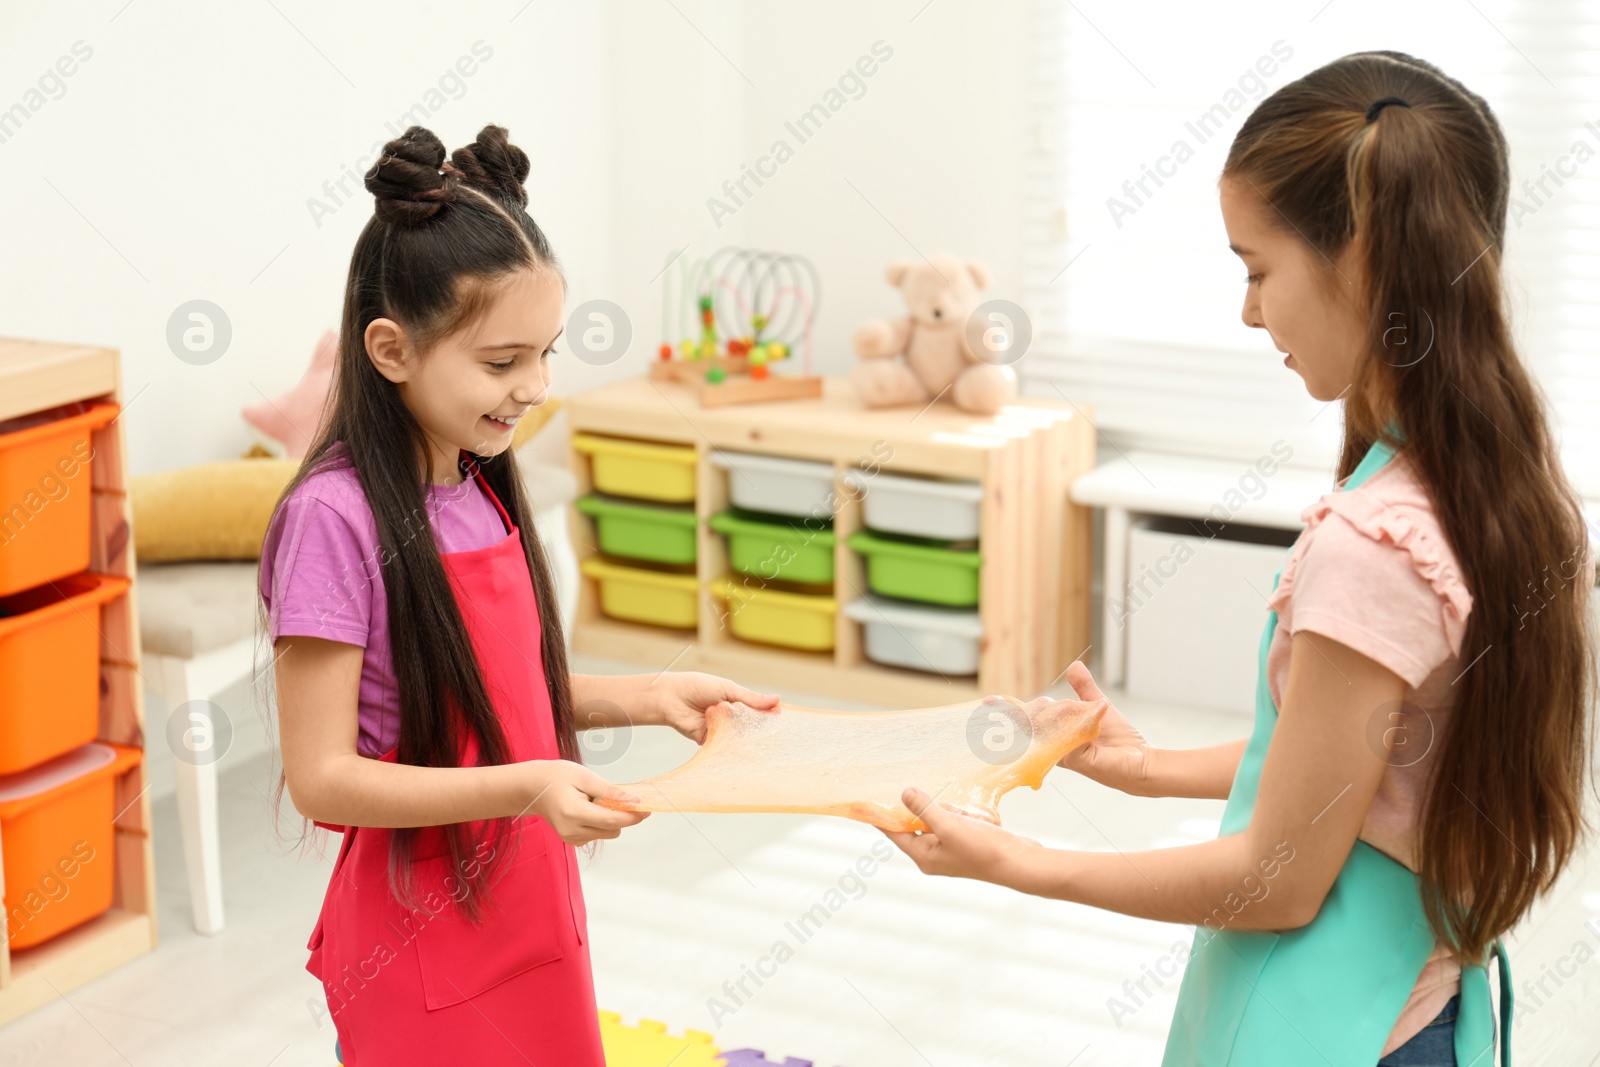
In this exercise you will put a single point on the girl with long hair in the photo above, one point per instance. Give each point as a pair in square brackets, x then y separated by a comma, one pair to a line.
[424, 702]
[1416, 774]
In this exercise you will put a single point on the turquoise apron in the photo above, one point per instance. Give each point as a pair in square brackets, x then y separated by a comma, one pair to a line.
[1329, 992]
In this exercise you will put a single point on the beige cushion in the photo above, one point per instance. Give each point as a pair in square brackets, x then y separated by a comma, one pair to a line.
[186, 609]
[220, 511]
[211, 511]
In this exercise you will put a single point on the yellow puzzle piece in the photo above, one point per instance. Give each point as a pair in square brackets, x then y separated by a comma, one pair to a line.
[649, 1045]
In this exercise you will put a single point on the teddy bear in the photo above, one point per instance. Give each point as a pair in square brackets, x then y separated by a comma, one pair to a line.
[936, 340]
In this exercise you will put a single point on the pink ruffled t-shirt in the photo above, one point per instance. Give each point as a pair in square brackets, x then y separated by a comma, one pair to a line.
[321, 577]
[1374, 571]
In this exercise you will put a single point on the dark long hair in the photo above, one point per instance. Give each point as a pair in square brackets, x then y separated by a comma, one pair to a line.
[443, 238]
[1423, 191]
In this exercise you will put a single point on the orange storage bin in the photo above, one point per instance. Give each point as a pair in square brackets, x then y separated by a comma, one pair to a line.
[57, 841]
[44, 491]
[50, 668]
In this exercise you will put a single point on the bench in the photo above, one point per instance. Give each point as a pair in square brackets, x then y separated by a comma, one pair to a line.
[1216, 492]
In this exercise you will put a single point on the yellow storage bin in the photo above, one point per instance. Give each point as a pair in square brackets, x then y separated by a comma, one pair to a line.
[640, 595]
[777, 616]
[641, 469]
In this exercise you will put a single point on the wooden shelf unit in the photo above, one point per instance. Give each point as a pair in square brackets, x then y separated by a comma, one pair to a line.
[1034, 582]
[34, 376]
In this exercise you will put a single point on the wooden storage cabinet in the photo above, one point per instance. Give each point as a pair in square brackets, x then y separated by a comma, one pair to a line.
[1034, 580]
[35, 376]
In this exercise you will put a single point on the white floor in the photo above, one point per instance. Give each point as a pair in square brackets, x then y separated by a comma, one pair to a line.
[910, 971]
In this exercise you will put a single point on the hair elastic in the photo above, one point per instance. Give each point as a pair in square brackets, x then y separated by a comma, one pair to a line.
[1379, 105]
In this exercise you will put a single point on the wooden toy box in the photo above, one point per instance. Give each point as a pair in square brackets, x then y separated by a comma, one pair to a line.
[35, 376]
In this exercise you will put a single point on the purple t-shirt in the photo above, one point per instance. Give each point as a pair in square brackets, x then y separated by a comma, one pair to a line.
[320, 577]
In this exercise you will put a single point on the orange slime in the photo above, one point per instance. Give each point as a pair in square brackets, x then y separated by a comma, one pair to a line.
[857, 763]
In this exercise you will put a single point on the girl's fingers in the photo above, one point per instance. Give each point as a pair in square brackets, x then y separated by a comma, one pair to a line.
[608, 819]
[596, 787]
[586, 816]
[914, 845]
[611, 824]
[759, 701]
[1083, 682]
[899, 837]
[922, 806]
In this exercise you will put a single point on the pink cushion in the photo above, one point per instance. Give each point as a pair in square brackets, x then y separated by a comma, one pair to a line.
[292, 418]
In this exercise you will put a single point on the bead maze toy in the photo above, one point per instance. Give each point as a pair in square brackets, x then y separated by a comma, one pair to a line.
[748, 310]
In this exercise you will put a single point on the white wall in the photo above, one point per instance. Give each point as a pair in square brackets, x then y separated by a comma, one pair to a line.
[933, 144]
[178, 160]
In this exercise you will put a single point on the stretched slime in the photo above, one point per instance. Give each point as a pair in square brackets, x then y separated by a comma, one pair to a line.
[857, 763]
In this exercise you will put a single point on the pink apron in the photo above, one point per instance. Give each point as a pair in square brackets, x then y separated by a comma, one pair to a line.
[426, 987]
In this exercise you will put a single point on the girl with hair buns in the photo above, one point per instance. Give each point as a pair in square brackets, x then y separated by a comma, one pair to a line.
[1416, 772]
[424, 701]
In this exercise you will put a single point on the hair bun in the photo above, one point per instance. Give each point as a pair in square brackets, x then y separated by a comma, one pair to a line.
[495, 165]
[406, 179]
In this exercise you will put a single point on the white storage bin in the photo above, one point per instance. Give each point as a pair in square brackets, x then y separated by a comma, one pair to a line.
[921, 637]
[1194, 609]
[778, 485]
[921, 507]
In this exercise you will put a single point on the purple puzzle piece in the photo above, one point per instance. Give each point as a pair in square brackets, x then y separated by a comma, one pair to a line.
[754, 1057]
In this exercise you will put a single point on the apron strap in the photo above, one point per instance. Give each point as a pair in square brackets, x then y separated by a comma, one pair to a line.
[1507, 999]
[1474, 1045]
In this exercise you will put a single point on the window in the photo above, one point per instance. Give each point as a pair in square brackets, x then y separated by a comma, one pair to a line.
[1129, 273]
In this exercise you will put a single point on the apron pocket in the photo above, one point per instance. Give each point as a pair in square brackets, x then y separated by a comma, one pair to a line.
[519, 931]
[314, 961]
[580, 912]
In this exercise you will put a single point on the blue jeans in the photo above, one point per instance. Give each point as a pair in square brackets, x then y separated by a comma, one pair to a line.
[1433, 1045]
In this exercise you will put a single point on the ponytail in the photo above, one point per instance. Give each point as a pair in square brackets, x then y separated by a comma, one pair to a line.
[1422, 189]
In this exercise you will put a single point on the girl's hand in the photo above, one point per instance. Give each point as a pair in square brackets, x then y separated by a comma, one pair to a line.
[961, 846]
[1120, 756]
[680, 700]
[565, 799]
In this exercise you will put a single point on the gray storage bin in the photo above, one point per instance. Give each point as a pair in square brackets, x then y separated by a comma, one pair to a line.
[778, 485]
[921, 507]
[921, 637]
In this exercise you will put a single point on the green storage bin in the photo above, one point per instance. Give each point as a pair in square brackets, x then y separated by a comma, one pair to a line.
[918, 569]
[641, 531]
[770, 547]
